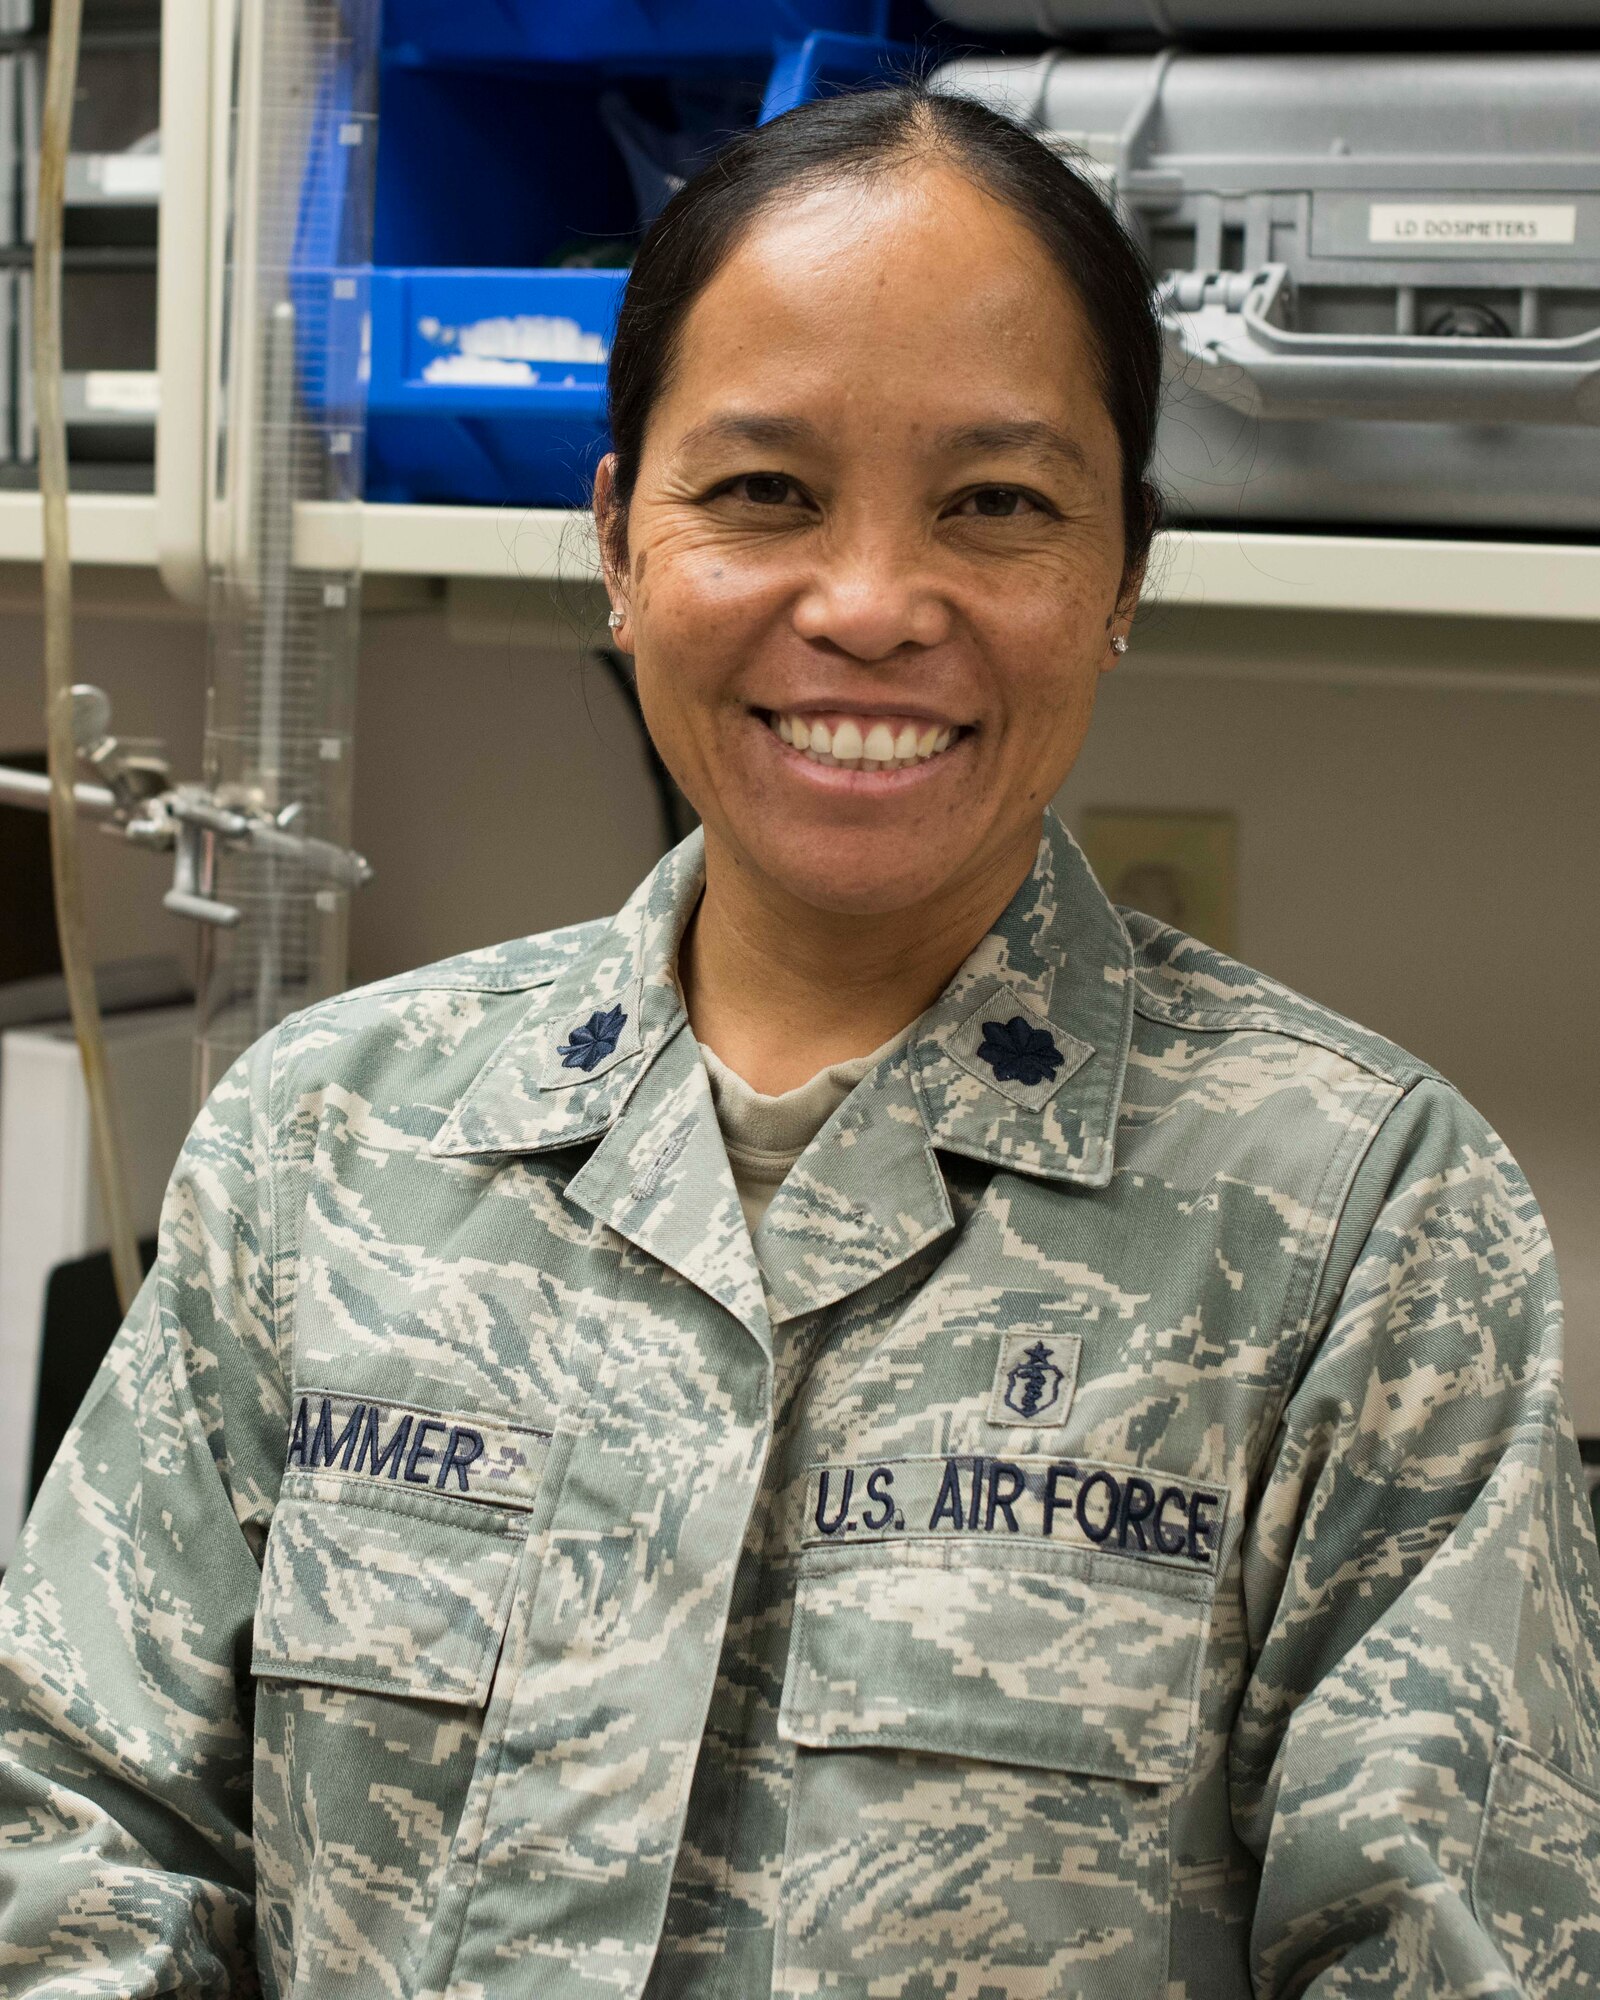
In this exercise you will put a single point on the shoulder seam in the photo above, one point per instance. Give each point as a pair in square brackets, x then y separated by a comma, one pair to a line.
[1266, 1020]
[416, 983]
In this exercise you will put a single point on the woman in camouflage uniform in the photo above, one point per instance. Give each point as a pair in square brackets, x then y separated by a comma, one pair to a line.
[873, 1424]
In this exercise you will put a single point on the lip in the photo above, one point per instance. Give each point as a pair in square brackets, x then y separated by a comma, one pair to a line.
[860, 783]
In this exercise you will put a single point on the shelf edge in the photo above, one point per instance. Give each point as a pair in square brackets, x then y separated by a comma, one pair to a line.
[1198, 568]
[105, 528]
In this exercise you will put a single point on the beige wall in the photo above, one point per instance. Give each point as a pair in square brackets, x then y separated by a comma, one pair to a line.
[1424, 857]
[150, 658]
[500, 783]
[1417, 848]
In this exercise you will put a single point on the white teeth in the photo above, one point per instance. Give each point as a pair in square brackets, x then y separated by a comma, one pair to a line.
[846, 745]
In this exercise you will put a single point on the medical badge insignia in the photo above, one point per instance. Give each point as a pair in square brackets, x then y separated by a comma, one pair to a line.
[1034, 1379]
[1033, 1385]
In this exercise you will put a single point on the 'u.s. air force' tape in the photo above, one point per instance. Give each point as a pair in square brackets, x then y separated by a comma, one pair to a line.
[1116, 1509]
[473, 1456]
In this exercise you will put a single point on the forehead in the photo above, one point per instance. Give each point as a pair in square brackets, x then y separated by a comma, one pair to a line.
[914, 287]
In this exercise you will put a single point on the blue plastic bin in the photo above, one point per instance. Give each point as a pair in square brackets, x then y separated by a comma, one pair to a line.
[487, 373]
[623, 34]
[488, 386]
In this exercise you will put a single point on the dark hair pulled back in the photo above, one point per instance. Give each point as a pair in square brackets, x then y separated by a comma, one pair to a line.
[854, 135]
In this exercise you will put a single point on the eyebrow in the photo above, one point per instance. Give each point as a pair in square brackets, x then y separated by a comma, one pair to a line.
[1025, 434]
[732, 428]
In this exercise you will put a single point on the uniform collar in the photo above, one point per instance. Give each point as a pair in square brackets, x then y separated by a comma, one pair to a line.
[543, 1087]
[604, 1053]
[1058, 959]
[1057, 966]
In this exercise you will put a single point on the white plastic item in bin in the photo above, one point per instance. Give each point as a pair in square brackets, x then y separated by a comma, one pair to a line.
[1380, 274]
[1277, 20]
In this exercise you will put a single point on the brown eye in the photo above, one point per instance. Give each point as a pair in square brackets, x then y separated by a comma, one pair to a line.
[999, 503]
[762, 489]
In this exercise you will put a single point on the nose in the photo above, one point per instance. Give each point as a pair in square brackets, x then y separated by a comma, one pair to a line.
[871, 596]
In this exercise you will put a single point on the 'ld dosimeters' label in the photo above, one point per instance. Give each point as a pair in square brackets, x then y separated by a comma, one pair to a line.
[1472, 225]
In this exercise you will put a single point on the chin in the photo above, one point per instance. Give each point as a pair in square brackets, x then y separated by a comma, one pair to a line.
[856, 875]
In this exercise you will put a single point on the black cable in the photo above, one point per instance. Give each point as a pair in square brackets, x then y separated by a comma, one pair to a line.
[677, 815]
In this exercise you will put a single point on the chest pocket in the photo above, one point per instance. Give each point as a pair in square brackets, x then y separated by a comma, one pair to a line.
[383, 1608]
[394, 1548]
[397, 1594]
[987, 1734]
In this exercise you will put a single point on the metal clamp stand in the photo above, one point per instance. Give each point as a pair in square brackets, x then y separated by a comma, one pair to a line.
[139, 803]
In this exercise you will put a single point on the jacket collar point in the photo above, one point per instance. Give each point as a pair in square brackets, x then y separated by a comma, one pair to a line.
[1020, 1062]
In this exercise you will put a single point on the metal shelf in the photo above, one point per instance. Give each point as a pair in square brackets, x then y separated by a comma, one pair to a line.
[1536, 580]
[105, 528]
[1462, 579]
[510, 544]
[1265, 571]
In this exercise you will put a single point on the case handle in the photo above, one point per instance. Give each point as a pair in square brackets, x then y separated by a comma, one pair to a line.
[1226, 338]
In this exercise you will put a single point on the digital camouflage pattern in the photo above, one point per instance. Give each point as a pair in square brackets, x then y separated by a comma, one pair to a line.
[1122, 1538]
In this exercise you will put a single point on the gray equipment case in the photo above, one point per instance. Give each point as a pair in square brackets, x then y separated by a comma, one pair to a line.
[1380, 274]
[1280, 19]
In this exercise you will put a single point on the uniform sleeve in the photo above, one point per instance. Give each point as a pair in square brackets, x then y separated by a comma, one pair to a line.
[1416, 1760]
[125, 1741]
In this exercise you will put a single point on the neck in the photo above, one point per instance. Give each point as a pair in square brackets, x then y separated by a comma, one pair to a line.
[780, 989]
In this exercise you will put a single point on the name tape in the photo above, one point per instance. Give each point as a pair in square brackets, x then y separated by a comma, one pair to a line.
[495, 1462]
[1064, 1501]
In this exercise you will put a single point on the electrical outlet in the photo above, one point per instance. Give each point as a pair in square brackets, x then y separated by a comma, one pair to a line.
[1175, 866]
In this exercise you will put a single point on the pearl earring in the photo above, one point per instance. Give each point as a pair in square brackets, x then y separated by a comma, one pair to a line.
[1118, 643]
[614, 620]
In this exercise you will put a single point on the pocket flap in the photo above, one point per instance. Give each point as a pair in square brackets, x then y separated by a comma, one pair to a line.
[392, 1593]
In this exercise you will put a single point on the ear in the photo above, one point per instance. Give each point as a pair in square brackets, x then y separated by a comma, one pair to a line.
[610, 533]
[1136, 572]
[1130, 590]
[1122, 614]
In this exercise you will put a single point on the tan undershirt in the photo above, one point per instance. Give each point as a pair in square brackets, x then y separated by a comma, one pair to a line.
[764, 1136]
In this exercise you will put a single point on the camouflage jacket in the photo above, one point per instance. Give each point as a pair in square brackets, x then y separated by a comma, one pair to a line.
[1122, 1538]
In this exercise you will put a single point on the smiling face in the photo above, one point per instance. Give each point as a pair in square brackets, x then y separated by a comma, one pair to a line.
[875, 549]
